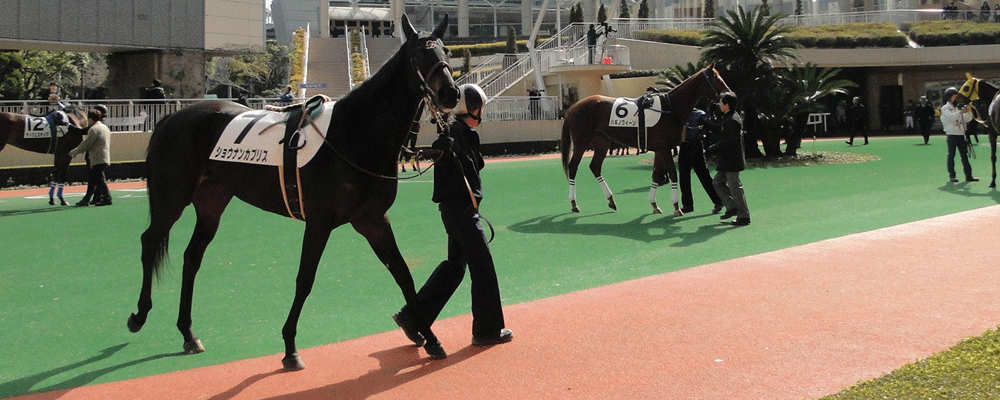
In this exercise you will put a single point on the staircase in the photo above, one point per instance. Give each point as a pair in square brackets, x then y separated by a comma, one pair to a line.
[380, 50]
[329, 63]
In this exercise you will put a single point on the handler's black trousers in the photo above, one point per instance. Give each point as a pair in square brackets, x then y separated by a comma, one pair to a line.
[467, 246]
[692, 157]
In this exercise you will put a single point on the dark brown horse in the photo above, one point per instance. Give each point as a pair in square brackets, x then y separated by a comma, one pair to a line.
[351, 180]
[985, 96]
[586, 126]
[30, 132]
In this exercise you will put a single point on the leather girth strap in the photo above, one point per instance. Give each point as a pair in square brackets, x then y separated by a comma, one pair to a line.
[288, 170]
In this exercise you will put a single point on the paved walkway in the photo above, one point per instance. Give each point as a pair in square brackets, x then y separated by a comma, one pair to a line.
[797, 323]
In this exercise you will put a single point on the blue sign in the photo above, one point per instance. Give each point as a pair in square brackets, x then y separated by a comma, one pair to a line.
[312, 85]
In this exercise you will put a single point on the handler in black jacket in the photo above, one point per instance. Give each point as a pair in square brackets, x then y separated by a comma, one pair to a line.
[731, 160]
[456, 184]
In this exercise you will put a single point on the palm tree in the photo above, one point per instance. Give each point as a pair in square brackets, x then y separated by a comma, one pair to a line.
[796, 92]
[745, 47]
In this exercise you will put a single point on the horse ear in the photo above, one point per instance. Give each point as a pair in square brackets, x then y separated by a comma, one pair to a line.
[442, 27]
[408, 32]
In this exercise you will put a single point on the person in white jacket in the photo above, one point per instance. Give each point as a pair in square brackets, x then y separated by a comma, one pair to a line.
[954, 120]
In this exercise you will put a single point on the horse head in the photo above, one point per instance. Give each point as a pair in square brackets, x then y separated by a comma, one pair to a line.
[715, 82]
[431, 66]
[979, 93]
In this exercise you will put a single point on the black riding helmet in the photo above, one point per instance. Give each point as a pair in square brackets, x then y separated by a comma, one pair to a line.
[950, 92]
[102, 108]
[470, 98]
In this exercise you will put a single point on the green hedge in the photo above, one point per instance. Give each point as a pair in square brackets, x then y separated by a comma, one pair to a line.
[954, 33]
[826, 36]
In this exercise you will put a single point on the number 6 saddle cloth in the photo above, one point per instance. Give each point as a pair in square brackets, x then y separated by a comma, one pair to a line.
[287, 139]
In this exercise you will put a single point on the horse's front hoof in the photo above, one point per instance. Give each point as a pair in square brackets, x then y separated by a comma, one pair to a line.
[133, 324]
[678, 213]
[293, 363]
[63, 202]
[612, 205]
[193, 347]
[52, 202]
[993, 184]
[435, 351]
[575, 209]
[657, 210]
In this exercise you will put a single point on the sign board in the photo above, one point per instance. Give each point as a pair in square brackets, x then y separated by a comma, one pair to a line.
[319, 85]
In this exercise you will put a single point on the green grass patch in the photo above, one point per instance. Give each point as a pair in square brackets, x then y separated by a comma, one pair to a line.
[969, 370]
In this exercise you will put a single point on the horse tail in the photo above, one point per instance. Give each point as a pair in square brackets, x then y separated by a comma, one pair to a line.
[566, 142]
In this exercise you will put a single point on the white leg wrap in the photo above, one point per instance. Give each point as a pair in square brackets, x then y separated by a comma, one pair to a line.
[673, 192]
[572, 190]
[604, 186]
[652, 193]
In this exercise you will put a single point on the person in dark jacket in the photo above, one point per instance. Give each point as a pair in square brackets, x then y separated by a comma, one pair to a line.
[857, 116]
[692, 157]
[731, 160]
[458, 192]
[924, 114]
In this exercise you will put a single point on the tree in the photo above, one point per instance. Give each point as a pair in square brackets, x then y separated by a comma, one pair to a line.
[261, 74]
[26, 74]
[709, 9]
[623, 10]
[602, 14]
[511, 46]
[673, 76]
[745, 46]
[576, 13]
[795, 92]
[764, 8]
[798, 7]
[643, 10]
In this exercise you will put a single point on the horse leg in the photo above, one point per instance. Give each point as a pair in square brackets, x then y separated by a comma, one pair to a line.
[600, 152]
[672, 177]
[993, 157]
[210, 200]
[378, 231]
[660, 163]
[317, 233]
[572, 166]
[164, 212]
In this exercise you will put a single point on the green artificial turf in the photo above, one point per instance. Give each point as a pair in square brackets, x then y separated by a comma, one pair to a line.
[71, 275]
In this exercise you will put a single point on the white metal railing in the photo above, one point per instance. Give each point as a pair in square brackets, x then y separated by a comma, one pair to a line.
[626, 27]
[521, 108]
[125, 115]
[584, 55]
[350, 61]
[364, 53]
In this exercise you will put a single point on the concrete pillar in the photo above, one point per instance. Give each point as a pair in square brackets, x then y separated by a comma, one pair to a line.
[463, 18]
[526, 21]
[323, 17]
[590, 10]
[182, 73]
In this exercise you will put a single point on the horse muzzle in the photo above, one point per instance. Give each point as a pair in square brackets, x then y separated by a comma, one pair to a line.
[447, 97]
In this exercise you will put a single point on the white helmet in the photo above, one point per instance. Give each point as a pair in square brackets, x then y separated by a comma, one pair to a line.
[470, 98]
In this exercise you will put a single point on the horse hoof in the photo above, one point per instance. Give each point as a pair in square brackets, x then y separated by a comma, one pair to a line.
[993, 184]
[63, 202]
[575, 209]
[435, 351]
[194, 347]
[612, 205]
[52, 202]
[678, 213]
[293, 363]
[134, 325]
[657, 210]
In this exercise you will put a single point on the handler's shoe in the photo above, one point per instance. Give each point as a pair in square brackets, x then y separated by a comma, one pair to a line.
[953, 179]
[717, 209]
[972, 179]
[729, 214]
[505, 336]
[406, 324]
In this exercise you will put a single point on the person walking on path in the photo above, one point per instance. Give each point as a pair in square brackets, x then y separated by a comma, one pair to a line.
[857, 115]
[458, 192]
[731, 160]
[692, 157]
[954, 120]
